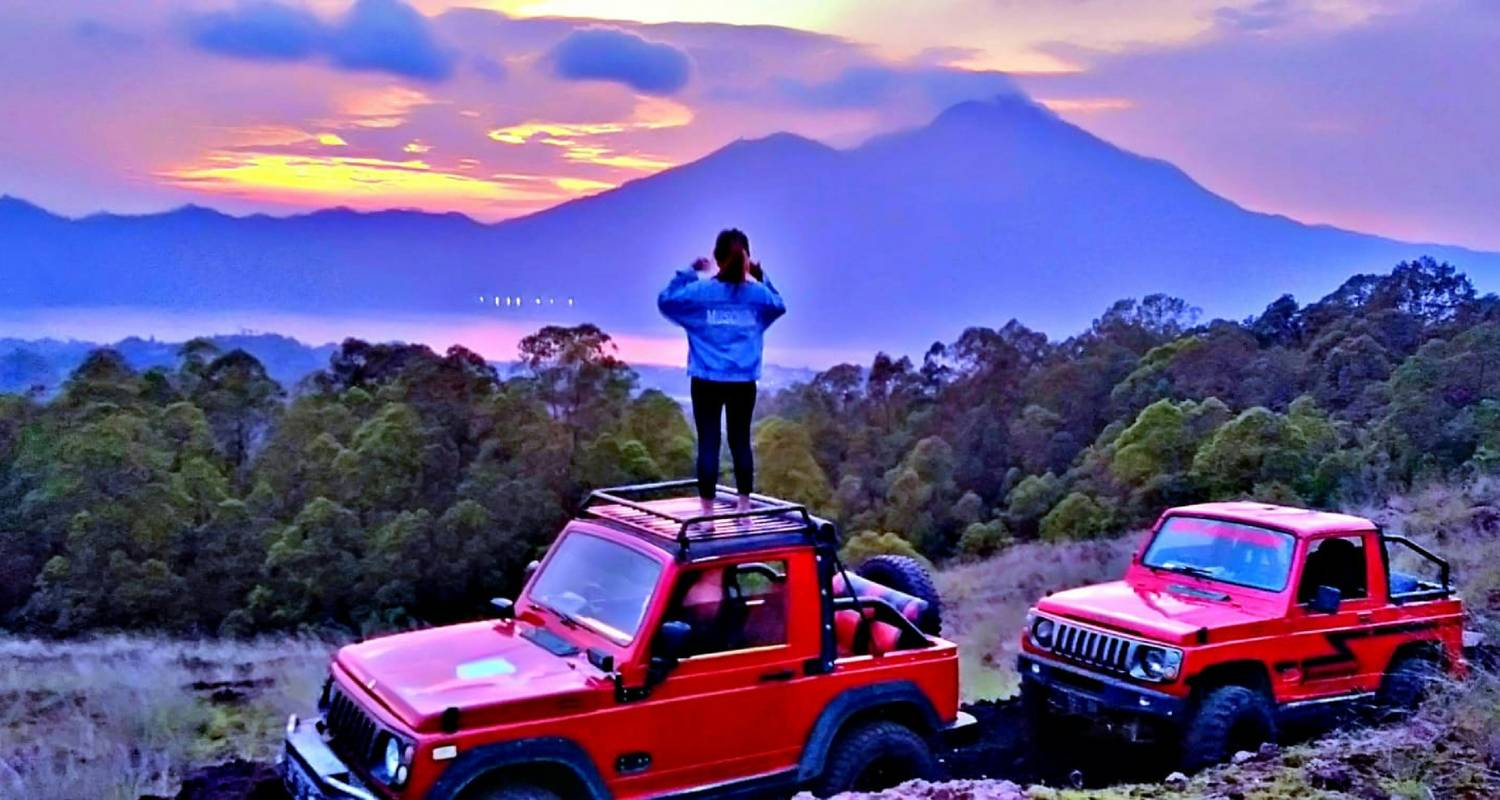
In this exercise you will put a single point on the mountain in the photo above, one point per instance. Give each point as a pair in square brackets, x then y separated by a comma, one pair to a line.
[994, 210]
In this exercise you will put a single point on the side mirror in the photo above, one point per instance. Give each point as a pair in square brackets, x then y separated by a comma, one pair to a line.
[504, 607]
[1326, 600]
[672, 642]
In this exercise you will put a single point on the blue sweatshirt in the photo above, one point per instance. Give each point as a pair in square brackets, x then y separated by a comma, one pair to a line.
[725, 323]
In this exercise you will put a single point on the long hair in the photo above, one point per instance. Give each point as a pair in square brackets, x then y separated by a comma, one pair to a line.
[732, 252]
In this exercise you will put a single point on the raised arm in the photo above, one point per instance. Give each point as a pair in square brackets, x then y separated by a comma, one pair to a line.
[675, 302]
[771, 307]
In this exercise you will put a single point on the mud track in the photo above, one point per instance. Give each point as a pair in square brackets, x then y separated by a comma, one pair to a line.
[1002, 752]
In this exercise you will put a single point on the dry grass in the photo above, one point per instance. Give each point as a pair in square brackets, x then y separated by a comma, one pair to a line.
[123, 716]
[985, 602]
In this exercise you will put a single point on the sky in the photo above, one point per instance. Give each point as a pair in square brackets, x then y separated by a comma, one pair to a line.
[1381, 116]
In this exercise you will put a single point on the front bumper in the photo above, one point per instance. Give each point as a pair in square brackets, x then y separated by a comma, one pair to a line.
[1103, 699]
[310, 770]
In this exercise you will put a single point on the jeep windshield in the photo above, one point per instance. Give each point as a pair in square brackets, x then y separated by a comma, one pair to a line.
[1219, 550]
[601, 585]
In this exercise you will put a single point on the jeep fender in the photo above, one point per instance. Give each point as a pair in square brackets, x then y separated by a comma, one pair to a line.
[899, 700]
[564, 755]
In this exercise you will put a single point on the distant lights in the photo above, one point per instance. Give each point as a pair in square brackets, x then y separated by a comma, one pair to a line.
[518, 301]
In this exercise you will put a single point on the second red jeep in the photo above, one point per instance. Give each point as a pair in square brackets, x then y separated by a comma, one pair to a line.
[1235, 618]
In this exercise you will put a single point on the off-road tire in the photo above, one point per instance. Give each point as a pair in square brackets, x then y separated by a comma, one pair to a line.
[1407, 682]
[518, 791]
[875, 755]
[1228, 719]
[906, 574]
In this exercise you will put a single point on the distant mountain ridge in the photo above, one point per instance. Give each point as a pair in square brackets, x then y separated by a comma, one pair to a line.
[995, 210]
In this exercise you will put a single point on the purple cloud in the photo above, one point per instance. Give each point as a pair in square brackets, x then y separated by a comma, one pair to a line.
[608, 54]
[264, 31]
[374, 35]
[389, 36]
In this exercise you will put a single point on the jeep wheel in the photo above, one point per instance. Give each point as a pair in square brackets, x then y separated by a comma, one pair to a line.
[1406, 684]
[905, 574]
[1228, 720]
[874, 756]
[518, 791]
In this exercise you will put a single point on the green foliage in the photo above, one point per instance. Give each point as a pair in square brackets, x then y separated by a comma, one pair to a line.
[984, 539]
[785, 464]
[1031, 499]
[1078, 516]
[865, 544]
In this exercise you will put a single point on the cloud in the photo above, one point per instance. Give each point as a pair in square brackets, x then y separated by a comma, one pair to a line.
[868, 86]
[263, 31]
[608, 54]
[373, 35]
[389, 36]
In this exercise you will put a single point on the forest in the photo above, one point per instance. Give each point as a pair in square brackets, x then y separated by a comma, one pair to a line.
[400, 487]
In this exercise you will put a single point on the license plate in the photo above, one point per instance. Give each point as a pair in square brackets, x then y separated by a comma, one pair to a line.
[299, 784]
[1077, 704]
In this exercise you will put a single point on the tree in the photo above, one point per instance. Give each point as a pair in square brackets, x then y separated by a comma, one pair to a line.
[919, 494]
[312, 568]
[1078, 516]
[867, 544]
[1258, 446]
[657, 422]
[785, 465]
[1030, 500]
[577, 374]
[240, 402]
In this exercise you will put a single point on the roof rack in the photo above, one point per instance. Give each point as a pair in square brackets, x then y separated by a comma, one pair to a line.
[672, 510]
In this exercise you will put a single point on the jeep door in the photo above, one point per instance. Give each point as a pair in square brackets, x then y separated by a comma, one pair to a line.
[723, 712]
[1334, 653]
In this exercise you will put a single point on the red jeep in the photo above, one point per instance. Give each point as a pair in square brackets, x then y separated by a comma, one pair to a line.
[1235, 619]
[654, 651]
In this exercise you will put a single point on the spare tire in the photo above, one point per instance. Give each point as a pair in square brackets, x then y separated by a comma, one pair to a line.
[906, 574]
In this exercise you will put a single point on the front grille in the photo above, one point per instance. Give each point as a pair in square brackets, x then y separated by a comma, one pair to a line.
[351, 731]
[1096, 648]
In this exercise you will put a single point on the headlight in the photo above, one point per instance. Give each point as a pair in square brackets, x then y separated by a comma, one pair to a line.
[1155, 663]
[395, 760]
[1042, 629]
[392, 756]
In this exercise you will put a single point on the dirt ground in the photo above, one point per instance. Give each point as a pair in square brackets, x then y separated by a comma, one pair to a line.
[995, 765]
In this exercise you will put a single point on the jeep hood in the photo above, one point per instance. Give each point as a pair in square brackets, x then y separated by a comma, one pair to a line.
[478, 668]
[1161, 613]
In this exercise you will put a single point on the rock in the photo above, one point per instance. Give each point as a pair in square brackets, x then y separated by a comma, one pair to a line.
[1176, 780]
[1269, 750]
[1241, 757]
[1329, 775]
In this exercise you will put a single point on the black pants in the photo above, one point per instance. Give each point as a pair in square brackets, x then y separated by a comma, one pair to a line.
[736, 401]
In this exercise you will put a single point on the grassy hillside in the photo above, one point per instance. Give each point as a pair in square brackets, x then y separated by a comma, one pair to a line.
[124, 716]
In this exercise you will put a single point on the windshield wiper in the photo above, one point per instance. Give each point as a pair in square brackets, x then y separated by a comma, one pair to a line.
[566, 618]
[1188, 569]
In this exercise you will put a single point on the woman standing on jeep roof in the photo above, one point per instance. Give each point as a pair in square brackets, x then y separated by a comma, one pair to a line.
[725, 314]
